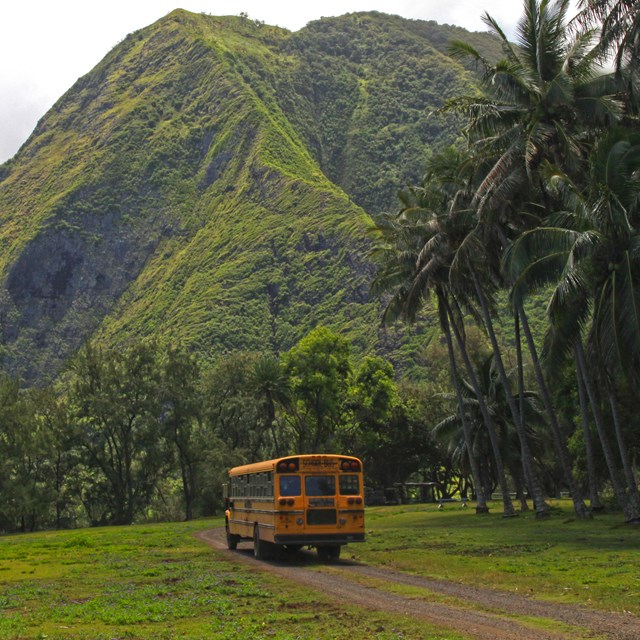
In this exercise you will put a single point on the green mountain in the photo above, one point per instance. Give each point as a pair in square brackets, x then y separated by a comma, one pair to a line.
[210, 182]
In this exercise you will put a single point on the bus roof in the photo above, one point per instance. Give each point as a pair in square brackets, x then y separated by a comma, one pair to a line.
[270, 465]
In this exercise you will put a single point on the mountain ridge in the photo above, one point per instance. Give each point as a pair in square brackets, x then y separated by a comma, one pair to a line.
[176, 191]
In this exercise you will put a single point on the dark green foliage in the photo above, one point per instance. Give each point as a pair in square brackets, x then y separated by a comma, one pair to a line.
[146, 433]
[549, 201]
[366, 86]
[115, 400]
[318, 368]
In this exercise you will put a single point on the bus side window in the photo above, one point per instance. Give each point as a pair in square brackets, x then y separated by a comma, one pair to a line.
[289, 485]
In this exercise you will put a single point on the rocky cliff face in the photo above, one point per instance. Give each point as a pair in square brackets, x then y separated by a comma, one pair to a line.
[202, 184]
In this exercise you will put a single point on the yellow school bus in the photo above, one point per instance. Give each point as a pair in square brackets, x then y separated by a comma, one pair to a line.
[305, 500]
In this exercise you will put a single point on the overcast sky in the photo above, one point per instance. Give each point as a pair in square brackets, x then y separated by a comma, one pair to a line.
[46, 45]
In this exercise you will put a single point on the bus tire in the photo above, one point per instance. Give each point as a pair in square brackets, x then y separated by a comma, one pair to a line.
[232, 541]
[260, 551]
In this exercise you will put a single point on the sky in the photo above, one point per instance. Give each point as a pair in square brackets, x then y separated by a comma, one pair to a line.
[46, 45]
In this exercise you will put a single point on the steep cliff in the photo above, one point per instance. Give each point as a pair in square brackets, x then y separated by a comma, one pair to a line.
[206, 182]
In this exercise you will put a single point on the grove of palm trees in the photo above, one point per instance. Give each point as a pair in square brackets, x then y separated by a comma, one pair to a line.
[540, 207]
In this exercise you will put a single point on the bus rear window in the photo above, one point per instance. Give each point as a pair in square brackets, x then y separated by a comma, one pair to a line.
[320, 485]
[349, 486]
[289, 485]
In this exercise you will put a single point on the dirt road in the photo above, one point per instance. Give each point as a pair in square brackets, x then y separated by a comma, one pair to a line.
[483, 614]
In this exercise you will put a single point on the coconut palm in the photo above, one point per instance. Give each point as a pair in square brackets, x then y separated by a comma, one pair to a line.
[498, 405]
[535, 107]
[619, 23]
[594, 250]
[475, 278]
[542, 101]
[414, 250]
[601, 238]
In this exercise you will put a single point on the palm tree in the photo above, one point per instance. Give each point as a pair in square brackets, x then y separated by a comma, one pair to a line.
[601, 241]
[412, 251]
[502, 416]
[535, 107]
[476, 263]
[542, 101]
[619, 23]
[594, 497]
[594, 249]
[270, 385]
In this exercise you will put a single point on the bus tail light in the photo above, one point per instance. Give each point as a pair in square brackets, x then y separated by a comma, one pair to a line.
[350, 465]
[288, 466]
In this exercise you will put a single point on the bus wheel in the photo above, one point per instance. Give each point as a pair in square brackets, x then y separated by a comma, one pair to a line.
[260, 551]
[232, 541]
[330, 552]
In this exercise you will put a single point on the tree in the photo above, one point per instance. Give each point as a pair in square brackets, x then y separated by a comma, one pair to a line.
[231, 409]
[26, 495]
[115, 408]
[181, 417]
[591, 249]
[496, 394]
[619, 23]
[415, 250]
[269, 384]
[318, 368]
[51, 419]
[544, 100]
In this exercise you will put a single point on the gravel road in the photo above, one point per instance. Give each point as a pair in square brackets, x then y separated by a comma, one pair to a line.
[483, 614]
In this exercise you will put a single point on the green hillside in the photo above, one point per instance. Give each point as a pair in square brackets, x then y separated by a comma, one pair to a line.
[209, 182]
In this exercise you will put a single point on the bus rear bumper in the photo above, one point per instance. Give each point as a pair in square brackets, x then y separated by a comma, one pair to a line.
[318, 538]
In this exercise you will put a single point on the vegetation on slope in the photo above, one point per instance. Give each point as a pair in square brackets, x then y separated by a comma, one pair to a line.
[194, 185]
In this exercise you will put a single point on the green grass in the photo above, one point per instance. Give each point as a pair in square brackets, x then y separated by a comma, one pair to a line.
[158, 581]
[559, 559]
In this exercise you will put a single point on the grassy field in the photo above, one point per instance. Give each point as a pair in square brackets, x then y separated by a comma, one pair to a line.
[559, 559]
[158, 581]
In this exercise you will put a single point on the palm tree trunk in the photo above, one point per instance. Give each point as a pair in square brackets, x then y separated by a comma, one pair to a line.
[632, 515]
[559, 439]
[594, 497]
[519, 364]
[509, 511]
[632, 486]
[481, 499]
[530, 476]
